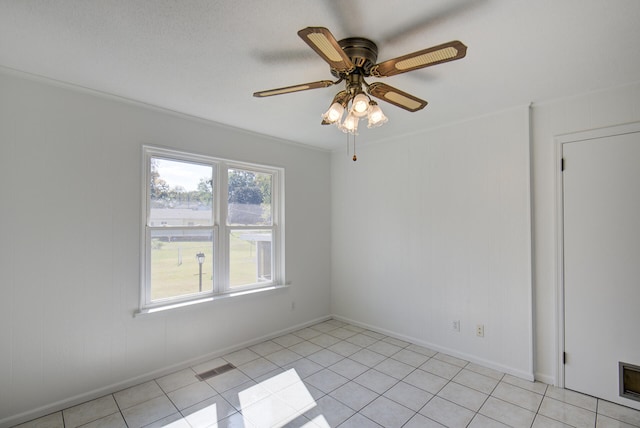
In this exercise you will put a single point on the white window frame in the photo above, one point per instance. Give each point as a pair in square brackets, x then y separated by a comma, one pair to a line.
[219, 228]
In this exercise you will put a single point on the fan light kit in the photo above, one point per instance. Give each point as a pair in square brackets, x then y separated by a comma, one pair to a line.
[353, 59]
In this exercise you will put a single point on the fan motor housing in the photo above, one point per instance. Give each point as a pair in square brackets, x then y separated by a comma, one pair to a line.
[362, 52]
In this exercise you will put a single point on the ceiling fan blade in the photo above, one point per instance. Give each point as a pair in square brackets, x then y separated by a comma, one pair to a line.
[322, 41]
[431, 56]
[294, 88]
[396, 97]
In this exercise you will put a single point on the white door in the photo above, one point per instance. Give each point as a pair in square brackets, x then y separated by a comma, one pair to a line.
[601, 206]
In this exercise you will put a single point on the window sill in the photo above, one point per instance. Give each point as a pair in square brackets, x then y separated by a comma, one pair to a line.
[182, 305]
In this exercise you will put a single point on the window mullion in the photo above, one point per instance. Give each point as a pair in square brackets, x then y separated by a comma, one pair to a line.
[223, 237]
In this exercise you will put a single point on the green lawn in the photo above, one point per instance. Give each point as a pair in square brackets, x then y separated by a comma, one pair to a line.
[174, 267]
[243, 269]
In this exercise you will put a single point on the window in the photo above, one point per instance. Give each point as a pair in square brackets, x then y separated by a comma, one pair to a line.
[212, 227]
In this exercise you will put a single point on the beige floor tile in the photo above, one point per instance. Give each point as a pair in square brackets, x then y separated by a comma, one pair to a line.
[376, 381]
[567, 413]
[544, 422]
[53, 420]
[408, 395]
[537, 387]
[518, 396]
[344, 348]
[476, 381]
[362, 339]
[412, 358]
[394, 368]
[451, 360]
[324, 340]
[348, 368]
[266, 348]
[330, 410]
[507, 413]
[89, 411]
[138, 394]
[447, 413]
[149, 411]
[384, 348]
[481, 421]
[426, 381]
[288, 340]
[607, 422]
[326, 380]
[325, 358]
[228, 380]
[387, 413]
[618, 412]
[441, 368]
[572, 397]
[484, 371]
[208, 411]
[179, 379]
[463, 396]
[192, 394]
[114, 420]
[419, 421]
[368, 357]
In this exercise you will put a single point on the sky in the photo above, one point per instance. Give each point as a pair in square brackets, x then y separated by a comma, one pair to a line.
[183, 174]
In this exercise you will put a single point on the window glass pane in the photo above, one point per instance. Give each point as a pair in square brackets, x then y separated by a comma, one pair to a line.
[249, 198]
[249, 257]
[175, 262]
[180, 193]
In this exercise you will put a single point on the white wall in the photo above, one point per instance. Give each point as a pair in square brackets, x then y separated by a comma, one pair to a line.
[435, 227]
[70, 178]
[588, 111]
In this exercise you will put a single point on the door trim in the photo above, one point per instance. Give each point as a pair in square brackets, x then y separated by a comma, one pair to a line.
[560, 140]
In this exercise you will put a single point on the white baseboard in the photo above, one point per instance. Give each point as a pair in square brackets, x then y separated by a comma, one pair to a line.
[545, 378]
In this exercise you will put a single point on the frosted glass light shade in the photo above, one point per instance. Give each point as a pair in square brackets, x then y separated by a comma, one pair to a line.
[376, 116]
[350, 124]
[334, 114]
[360, 105]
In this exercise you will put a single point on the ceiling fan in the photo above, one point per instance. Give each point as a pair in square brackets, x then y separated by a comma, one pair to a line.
[354, 58]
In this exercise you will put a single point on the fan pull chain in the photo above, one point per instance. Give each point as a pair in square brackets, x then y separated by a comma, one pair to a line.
[347, 143]
[355, 158]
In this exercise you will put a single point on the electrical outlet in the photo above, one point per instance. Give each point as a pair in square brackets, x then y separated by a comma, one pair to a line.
[456, 326]
[480, 330]
[293, 305]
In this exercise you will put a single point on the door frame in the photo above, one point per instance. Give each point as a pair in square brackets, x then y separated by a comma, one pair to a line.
[560, 140]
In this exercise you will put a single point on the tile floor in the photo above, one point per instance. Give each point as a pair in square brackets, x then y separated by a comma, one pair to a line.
[337, 375]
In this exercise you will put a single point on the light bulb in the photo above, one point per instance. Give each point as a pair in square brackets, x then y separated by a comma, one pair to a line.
[334, 114]
[376, 117]
[360, 105]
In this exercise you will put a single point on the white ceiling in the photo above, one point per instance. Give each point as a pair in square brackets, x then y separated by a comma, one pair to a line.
[206, 57]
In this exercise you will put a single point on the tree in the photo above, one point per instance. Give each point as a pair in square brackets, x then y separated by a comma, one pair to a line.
[263, 181]
[245, 198]
[243, 188]
[177, 193]
[159, 187]
[205, 193]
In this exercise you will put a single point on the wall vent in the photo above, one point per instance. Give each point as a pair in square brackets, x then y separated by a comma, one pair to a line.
[629, 381]
[215, 372]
